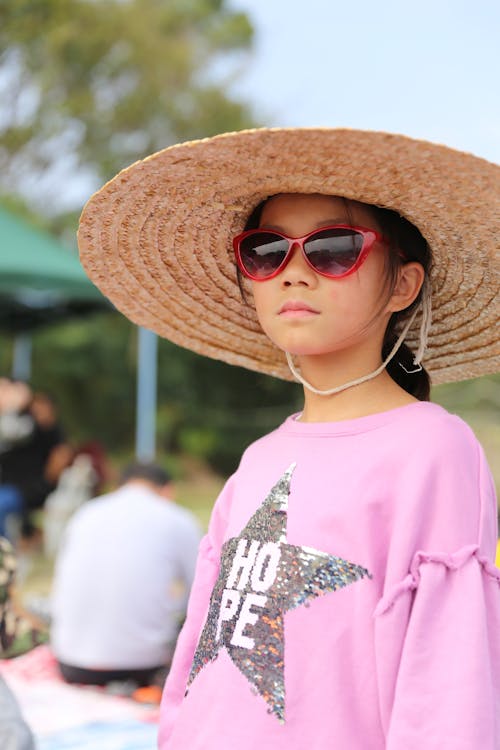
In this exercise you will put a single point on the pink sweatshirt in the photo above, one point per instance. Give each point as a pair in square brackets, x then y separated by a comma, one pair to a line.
[345, 595]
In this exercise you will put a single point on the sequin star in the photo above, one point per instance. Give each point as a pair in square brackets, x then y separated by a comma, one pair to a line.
[261, 577]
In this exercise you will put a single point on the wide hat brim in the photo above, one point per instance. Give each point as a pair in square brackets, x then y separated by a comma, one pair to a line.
[157, 238]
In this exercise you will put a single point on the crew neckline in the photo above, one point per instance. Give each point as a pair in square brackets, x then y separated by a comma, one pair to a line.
[291, 425]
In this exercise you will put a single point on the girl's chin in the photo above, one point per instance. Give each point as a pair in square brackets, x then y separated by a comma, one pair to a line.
[301, 346]
[304, 352]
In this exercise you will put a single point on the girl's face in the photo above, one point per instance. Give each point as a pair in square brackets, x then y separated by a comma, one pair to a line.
[305, 313]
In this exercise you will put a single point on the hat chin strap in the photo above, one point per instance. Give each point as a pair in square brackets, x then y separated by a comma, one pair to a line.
[424, 329]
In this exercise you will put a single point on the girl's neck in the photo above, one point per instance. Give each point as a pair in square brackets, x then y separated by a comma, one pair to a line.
[370, 397]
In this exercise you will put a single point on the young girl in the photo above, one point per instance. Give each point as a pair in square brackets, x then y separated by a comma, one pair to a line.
[345, 593]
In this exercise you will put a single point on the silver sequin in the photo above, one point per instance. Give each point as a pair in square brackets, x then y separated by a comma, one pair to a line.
[261, 577]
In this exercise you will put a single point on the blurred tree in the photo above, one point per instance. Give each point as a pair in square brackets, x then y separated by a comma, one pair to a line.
[87, 87]
[206, 408]
[96, 85]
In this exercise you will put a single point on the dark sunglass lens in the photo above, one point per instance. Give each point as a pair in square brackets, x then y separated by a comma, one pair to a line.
[334, 251]
[262, 253]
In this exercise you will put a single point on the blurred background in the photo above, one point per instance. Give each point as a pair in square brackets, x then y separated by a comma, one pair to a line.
[88, 86]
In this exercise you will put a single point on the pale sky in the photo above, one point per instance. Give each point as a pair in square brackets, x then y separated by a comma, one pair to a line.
[426, 68]
[429, 69]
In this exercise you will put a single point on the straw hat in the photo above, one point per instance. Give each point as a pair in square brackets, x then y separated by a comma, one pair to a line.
[157, 238]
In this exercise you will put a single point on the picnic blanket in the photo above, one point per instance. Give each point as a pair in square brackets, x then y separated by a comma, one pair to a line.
[71, 717]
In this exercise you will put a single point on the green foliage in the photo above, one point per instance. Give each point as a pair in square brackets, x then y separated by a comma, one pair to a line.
[219, 409]
[205, 408]
[480, 396]
[99, 84]
[478, 403]
[89, 367]
[112, 81]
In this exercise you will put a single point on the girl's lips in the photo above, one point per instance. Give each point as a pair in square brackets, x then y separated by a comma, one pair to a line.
[296, 309]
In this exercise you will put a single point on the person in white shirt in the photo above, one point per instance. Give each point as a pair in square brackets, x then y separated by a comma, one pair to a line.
[121, 582]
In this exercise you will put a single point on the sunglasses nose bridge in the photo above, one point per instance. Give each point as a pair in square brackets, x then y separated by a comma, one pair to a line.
[296, 266]
[295, 244]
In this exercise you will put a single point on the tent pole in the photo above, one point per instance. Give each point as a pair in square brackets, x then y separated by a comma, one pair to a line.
[145, 438]
[21, 357]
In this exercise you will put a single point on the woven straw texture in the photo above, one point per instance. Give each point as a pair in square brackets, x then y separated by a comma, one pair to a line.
[157, 238]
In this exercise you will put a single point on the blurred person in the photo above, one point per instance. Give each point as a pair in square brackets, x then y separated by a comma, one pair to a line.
[16, 429]
[121, 581]
[75, 487]
[104, 473]
[15, 421]
[52, 455]
[33, 452]
[83, 479]
[15, 734]
[19, 632]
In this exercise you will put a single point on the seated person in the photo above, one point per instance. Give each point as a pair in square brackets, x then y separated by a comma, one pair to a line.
[19, 632]
[32, 451]
[17, 427]
[122, 578]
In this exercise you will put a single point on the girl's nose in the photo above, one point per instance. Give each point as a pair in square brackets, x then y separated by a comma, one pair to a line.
[297, 270]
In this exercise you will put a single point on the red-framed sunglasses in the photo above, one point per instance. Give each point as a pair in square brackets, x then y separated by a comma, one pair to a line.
[334, 251]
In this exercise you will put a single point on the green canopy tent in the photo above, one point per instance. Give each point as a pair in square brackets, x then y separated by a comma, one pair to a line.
[42, 282]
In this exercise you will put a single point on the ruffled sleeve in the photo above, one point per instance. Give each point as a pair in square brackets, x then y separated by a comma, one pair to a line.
[206, 573]
[437, 643]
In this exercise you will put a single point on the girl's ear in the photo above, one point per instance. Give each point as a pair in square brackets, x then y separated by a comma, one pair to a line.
[410, 279]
